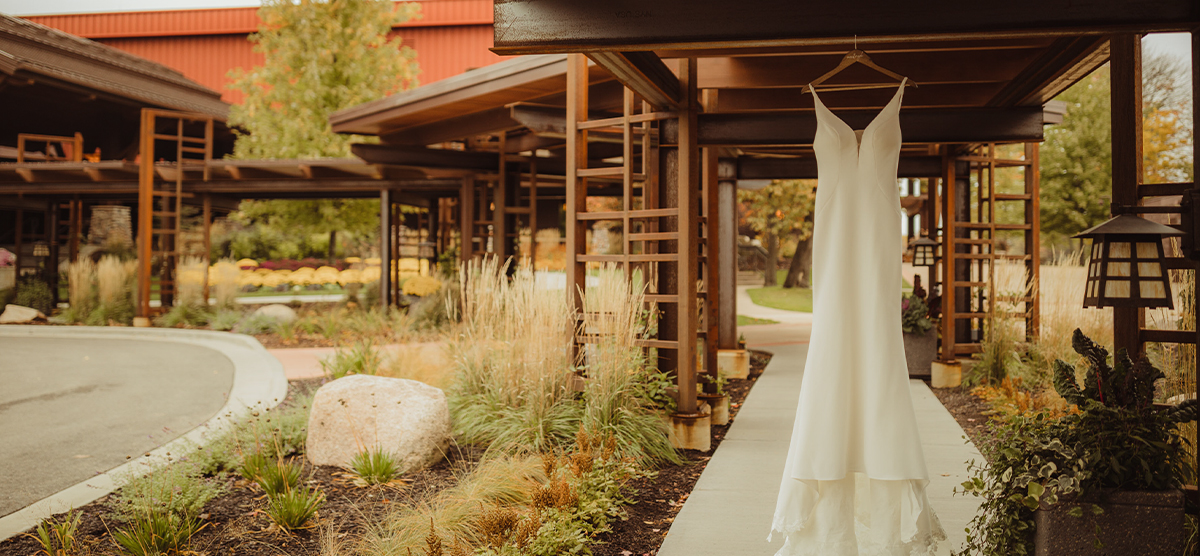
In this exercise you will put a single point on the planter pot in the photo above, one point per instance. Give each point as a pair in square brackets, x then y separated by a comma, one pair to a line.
[920, 350]
[1134, 523]
[720, 407]
[733, 363]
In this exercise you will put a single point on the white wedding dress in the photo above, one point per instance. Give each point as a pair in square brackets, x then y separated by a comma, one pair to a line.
[855, 478]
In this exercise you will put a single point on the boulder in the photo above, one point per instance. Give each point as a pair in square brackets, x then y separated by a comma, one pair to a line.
[409, 419]
[277, 312]
[17, 314]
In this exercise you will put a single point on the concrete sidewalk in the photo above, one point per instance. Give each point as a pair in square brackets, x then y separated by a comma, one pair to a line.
[729, 512]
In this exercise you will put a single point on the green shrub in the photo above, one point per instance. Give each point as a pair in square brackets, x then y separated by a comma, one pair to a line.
[34, 293]
[185, 314]
[175, 489]
[255, 324]
[275, 433]
[293, 508]
[7, 296]
[157, 533]
[274, 476]
[375, 466]
[57, 536]
[225, 319]
[362, 359]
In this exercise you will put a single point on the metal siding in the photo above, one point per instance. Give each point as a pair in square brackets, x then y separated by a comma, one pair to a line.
[450, 37]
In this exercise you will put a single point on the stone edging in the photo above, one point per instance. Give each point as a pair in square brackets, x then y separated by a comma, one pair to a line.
[258, 380]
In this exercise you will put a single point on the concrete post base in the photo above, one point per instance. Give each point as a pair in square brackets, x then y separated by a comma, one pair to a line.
[946, 374]
[720, 408]
[733, 363]
[692, 431]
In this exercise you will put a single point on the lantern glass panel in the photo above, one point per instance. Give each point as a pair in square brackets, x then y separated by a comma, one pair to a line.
[1116, 289]
[1094, 270]
[1152, 289]
[1091, 288]
[1095, 249]
[1118, 250]
[1147, 250]
[1150, 270]
[1119, 270]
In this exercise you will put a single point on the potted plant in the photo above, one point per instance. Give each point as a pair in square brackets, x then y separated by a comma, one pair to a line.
[1101, 479]
[920, 336]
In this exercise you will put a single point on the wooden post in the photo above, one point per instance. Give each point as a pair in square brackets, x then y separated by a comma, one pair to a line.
[576, 186]
[1195, 151]
[51, 226]
[688, 177]
[949, 179]
[385, 248]
[1033, 241]
[726, 228]
[145, 210]
[1126, 64]
[207, 216]
[466, 217]
[500, 201]
[712, 260]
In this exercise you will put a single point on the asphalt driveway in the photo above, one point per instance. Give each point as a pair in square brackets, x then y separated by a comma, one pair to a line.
[74, 408]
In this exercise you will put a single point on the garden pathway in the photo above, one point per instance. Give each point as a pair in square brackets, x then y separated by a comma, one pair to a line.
[75, 407]
[729, 511]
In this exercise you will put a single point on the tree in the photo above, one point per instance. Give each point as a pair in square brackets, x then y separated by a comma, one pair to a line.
[1076, 159]
[777, 210]
[320, 56]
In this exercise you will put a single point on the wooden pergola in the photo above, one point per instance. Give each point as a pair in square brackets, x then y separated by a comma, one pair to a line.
[666, 104]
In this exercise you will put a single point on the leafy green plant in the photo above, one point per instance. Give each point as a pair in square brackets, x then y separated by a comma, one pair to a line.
[157, 533]
[1117, 439]
[375, 466]
[173, 489]
[719, 381]
[361, 359]
[225, 319]
[57, 536]
[274, 476]
[186, 314]
[254, 324]
[914, 315]
[277, 432]
[34, 293]
[295, 507]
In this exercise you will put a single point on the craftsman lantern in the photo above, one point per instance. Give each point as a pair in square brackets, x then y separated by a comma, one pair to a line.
[1126, 266]
[924, 252]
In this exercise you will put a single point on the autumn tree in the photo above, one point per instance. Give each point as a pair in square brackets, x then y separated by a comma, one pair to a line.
[320, 56]
[1076, 158]
[778, 210]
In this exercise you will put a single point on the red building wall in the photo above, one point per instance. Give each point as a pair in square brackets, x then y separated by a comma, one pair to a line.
[450, 37]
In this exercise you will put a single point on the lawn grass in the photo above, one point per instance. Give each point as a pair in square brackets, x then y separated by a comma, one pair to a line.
[777, 297]
[743, 320]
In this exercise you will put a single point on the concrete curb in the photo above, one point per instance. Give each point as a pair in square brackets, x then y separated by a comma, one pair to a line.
[258, 380]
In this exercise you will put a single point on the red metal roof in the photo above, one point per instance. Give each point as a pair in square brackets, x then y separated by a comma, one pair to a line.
[450, 37]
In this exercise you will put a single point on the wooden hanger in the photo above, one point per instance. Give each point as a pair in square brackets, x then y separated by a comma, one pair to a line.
[857, 56]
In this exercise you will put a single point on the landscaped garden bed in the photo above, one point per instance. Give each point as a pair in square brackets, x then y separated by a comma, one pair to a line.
[590, 471]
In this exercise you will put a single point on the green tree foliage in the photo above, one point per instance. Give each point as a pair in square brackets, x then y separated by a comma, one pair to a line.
[777, 210]
[320, 56]
[1076, 159]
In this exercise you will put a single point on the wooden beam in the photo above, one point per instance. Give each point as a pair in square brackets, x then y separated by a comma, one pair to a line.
[1068, 60]
[1126, 107]
[495, 120]
[644, 73]
[931, 96]
[543, 26]
[751, 168]
[978, 125]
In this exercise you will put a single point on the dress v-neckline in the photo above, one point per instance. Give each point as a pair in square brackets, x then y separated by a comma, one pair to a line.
[859, 139]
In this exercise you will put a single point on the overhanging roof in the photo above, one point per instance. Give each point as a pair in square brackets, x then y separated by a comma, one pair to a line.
[35, 53]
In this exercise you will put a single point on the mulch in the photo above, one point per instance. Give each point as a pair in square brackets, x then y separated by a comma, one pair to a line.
[237, 524]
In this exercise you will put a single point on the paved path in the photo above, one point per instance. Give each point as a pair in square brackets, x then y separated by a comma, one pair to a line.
[729, 512]
[73, 408]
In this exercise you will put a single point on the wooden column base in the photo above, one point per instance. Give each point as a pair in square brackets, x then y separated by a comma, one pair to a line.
[692, 431]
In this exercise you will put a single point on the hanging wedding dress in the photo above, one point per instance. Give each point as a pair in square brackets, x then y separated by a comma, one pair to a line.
[854, 483]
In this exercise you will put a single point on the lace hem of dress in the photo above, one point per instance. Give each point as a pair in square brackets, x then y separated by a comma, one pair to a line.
[918, 534]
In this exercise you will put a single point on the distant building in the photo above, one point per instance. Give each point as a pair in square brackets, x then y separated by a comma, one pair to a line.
[450, 37]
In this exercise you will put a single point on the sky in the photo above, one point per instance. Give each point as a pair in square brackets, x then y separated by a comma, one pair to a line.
[1172, 43]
